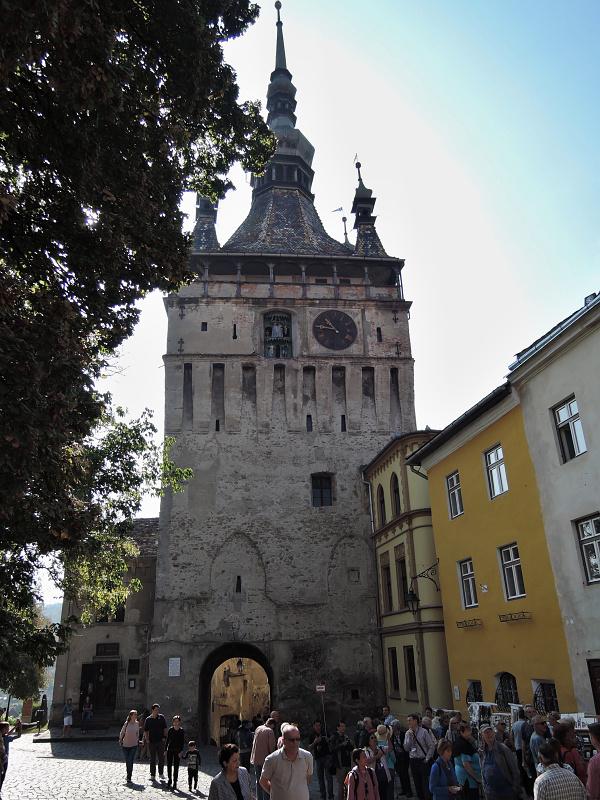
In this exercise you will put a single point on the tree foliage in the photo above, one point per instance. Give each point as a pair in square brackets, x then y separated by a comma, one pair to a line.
[108, 112]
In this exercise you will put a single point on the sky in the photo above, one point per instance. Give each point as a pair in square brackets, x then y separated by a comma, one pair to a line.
[478, 127]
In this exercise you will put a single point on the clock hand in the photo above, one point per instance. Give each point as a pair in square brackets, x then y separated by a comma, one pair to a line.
[332, 327]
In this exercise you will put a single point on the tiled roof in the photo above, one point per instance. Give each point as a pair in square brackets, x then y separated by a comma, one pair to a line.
[283, 221]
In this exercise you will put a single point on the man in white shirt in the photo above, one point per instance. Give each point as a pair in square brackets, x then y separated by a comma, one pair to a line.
[287, 773]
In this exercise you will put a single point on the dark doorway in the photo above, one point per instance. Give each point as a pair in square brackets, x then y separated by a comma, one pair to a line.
[234, 650]
[594, 668]
[99, 682]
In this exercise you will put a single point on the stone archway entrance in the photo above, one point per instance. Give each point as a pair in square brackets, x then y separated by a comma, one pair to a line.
[235, 679]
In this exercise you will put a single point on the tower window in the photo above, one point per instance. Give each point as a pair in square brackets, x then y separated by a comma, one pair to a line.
[238, 584]
[309, 425]
[321, 281]
[322, 494]
[204, 326]
[344, 281]
[278, 335]
[379, 336]
[234, 331]
[217, 425]
[343, 423]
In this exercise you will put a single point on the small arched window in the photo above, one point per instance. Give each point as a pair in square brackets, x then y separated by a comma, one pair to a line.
[381, 505]
[395, 491]
[506, 691]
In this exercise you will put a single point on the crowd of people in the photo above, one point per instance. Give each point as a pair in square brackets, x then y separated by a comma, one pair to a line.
[436, 755]
[430, 757]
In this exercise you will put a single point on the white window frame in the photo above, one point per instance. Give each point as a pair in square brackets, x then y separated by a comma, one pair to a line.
[510, 564]
[453, 488]
[589, 542]
[568, 424]
[468, 587]
[496, 471]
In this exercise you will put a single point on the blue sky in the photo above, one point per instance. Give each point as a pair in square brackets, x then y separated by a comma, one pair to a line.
[477, 124]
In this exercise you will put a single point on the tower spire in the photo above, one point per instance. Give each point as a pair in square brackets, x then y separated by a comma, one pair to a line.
[280, 51]
[368, 242]
[281, 94]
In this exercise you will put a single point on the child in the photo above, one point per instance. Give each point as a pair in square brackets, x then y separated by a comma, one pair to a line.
[194, 761]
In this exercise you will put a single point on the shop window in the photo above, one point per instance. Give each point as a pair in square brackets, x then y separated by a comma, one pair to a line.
[278, 335]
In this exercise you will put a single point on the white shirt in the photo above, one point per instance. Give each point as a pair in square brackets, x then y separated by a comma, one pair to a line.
[289, 779]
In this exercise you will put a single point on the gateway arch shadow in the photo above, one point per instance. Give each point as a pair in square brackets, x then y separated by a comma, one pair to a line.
[214, 660]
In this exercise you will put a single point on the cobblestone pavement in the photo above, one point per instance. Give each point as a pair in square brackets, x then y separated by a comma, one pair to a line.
[94, 771]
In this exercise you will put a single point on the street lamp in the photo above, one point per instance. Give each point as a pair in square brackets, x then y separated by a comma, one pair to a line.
[412, 601]
[412, 598]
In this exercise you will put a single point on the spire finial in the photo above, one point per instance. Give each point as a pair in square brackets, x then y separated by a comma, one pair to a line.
[280, 53]
[345, 220]
[358, 165]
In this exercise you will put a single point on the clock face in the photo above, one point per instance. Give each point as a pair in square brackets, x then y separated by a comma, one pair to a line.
[334, 330]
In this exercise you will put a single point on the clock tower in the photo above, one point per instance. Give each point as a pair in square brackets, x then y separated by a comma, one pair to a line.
[288, 366]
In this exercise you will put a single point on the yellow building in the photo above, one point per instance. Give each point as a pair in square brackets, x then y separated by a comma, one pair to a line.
[504, 630]
[413, 647]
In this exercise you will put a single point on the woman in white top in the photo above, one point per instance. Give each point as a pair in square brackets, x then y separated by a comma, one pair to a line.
[129, 739]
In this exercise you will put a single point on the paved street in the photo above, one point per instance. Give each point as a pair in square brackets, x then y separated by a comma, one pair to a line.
[92, 770]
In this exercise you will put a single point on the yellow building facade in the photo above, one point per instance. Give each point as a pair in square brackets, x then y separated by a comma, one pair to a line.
[504, 631]
[413, 646]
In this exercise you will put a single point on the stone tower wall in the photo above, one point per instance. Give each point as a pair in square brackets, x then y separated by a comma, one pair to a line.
[244, 558]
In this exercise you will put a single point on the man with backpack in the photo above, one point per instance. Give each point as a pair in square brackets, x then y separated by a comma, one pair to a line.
[341, 754]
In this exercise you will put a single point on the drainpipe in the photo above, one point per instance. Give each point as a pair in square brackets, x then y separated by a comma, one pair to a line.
[377, 601]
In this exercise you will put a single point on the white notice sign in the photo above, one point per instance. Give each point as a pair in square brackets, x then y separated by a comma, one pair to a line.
[174, 667]
[321, 687]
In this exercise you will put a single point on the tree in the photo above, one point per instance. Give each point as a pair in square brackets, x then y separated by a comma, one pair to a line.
[109, 111]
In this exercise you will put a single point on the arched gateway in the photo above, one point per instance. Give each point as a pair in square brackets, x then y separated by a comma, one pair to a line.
[239, 651]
